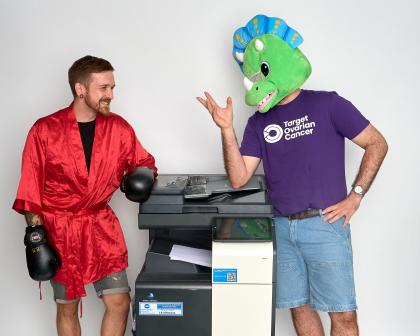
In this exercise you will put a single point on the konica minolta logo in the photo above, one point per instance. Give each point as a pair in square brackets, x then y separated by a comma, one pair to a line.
[291, 130]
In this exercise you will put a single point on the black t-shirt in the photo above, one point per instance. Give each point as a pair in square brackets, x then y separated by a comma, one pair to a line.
[87, 133]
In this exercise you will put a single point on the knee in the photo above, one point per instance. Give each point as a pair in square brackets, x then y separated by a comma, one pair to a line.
[67, 311]
[117, 303]
[301, 311]
[344, 318]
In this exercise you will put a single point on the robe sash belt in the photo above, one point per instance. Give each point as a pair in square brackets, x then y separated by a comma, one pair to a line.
[72, 226]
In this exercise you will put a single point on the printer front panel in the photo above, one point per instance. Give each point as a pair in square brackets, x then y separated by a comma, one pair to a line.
[253, 262]
[239, 309]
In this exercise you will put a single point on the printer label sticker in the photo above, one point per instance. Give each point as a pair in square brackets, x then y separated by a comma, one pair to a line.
[161, 308]
[225, 275]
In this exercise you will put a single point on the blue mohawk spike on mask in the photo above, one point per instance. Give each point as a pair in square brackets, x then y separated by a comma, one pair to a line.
[261, 25]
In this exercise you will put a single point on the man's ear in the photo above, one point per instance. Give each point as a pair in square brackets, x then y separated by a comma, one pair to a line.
[80, 89]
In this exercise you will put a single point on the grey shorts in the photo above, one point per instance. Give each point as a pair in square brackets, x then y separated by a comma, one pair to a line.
[114, 283]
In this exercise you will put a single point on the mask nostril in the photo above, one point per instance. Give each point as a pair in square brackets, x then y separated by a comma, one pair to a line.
[256, 89]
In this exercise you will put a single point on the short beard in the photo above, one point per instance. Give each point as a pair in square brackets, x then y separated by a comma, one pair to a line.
[98, 107]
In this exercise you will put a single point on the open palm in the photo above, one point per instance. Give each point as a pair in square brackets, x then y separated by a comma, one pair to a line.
[222, 116]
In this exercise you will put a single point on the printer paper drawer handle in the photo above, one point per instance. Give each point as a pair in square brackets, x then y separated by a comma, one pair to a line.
[196, 209]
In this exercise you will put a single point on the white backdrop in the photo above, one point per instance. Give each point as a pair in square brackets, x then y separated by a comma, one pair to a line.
[165, 54]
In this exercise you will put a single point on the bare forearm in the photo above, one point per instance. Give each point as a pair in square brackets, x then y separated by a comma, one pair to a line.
[32, 218]
[371, 162]
[234, 163]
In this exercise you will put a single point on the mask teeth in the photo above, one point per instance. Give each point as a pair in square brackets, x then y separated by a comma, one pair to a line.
[265, 99]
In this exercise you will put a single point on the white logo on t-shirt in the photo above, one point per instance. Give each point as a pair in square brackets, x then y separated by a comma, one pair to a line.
[273, 133]
[292, 129]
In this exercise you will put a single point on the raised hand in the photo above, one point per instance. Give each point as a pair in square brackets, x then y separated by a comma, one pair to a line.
[222, 116]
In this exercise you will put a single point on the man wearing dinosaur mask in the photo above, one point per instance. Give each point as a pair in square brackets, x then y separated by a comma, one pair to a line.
[299, 135]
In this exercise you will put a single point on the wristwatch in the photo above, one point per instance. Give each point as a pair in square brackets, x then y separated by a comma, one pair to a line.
[358, 190]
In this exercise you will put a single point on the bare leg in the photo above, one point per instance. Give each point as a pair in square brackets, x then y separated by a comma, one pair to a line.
[117, 307]
[67, 320]
[344, 324]
[307, 321]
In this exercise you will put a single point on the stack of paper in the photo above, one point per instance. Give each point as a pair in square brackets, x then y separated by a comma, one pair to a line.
[192, 255]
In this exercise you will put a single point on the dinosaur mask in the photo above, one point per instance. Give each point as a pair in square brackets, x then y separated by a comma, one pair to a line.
[266, 51]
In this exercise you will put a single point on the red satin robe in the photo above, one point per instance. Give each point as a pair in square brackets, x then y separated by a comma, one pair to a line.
[73, 203]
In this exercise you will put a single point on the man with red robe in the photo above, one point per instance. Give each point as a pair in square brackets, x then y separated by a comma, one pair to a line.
[72, 163]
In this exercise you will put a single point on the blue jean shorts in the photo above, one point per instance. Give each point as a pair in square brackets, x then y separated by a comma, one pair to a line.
[314, 264]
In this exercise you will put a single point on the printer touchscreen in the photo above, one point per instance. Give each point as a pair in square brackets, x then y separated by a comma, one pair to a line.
[242, 229]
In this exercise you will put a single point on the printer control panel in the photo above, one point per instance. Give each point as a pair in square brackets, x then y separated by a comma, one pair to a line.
[196, 186]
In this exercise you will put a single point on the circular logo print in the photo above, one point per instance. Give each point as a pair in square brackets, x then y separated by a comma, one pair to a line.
[36, 237]
[273, 133]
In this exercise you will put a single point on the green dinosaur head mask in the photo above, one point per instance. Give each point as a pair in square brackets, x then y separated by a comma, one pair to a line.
[273, 66]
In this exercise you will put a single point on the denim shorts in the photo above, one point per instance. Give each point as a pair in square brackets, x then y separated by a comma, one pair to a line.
[314, 264]
[115, 283]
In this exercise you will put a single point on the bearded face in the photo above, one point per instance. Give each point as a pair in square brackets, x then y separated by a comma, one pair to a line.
[101, 105]
[99, 92]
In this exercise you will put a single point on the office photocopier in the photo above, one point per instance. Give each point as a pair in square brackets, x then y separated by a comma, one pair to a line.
[224, 283]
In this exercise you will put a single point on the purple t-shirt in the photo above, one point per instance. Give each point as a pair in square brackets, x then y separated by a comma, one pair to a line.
[302, 147]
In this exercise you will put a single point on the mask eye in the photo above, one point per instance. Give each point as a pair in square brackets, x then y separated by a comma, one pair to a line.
[265, 69]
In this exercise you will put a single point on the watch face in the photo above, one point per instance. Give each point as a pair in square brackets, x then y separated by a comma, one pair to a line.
[358, 189]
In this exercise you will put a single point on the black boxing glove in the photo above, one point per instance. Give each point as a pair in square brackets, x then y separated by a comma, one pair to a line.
[137, 184]
[42, 260]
